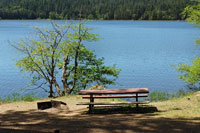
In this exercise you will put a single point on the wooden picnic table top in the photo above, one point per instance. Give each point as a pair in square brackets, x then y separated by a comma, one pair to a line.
[114, 91]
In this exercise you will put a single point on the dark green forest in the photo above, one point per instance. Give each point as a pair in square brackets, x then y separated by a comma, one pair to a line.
[93, 9]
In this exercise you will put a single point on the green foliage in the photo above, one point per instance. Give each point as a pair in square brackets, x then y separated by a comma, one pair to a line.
[59, 55]
[92, 70]
[15, 97]
[180, 93]
[93, 9]
[54, 15]
[156, 96]
[191, 73]
[29, 98]
[12, 98]
[159, 96]
[90, 16]
[192, 13]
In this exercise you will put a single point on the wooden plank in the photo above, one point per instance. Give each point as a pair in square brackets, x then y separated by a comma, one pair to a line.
[116, 96]
[114, 91]
[114, 103]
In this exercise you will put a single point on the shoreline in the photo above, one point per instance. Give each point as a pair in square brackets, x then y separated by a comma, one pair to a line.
[79, 20]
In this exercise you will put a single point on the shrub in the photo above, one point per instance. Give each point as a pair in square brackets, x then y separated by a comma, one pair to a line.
[163, 96]
[17, 97]
[29, 98]
[159, 96]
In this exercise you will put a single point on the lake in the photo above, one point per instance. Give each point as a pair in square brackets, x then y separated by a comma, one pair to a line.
[144, 50]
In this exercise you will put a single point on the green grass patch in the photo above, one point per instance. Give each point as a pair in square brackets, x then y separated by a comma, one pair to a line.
[157, 96]
[15, 97]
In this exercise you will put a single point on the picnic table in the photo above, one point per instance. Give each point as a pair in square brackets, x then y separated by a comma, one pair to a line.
[114, 93]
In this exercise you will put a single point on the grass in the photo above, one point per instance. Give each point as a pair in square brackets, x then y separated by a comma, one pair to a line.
[17, 97]
[181, 105]
[156, 96]
[187, 106]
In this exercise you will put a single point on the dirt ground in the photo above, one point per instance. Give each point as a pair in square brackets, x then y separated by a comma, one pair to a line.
[25, 117]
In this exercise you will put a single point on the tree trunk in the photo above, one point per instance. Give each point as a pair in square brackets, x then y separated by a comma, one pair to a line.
[51, 90]
[58, 88]
[67, 90]
[64, 69]
[76, 58]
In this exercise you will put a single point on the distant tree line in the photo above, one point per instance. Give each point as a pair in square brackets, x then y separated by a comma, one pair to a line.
[93, 9]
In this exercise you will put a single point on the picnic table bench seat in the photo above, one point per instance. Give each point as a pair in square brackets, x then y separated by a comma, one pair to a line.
[115, 96]
[114, 103]
[114, 93]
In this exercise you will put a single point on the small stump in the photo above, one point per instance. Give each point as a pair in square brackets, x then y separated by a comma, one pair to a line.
[50, 104]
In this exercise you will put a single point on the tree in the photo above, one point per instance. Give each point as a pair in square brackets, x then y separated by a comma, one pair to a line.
[191, 73]
[90, 16]
[92, 70]
[52, 15]
[93, 9]
[192, 14]
[58, 57]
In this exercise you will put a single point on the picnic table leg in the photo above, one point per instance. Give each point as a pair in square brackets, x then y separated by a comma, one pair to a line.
[137, 101]
[91, 105]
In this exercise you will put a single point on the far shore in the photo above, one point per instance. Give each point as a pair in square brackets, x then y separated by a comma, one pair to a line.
[83, 19]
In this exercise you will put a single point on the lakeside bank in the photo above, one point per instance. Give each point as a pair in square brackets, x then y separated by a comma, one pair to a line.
[180, 114]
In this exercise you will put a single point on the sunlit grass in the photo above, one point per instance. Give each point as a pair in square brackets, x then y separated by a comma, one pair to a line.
[15, 97]
[157, 96]
[183, 107]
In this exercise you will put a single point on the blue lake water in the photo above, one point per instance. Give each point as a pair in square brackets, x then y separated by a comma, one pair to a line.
[144, 50]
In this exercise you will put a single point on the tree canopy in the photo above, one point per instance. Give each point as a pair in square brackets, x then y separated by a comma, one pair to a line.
[191, 73]
[57, 57]
[192, 14]
[93, 9]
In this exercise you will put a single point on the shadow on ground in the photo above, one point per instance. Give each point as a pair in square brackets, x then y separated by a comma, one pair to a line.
[39, 121]
[123, 109]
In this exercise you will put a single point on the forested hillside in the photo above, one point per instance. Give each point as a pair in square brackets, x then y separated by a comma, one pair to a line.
[93, 9]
